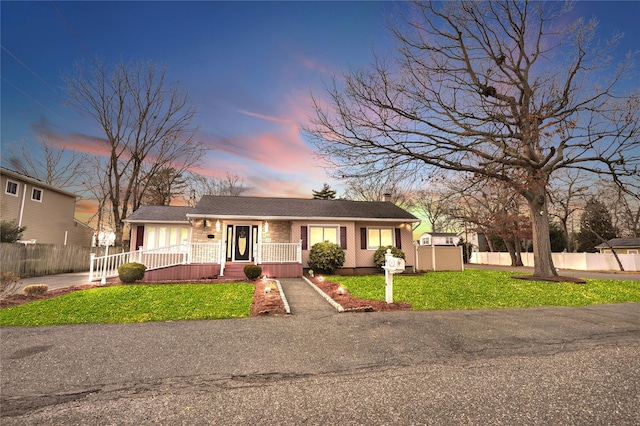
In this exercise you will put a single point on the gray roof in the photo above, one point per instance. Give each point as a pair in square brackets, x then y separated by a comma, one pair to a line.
[621, 243]
[297, 208]
[160, 214]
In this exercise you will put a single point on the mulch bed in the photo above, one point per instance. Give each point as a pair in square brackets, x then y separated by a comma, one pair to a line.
[353, 304]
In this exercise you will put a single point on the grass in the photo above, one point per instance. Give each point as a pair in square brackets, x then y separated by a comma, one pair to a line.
[481, 289]
[136, 303]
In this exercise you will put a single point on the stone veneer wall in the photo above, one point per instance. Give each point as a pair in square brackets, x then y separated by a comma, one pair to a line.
[279, 232]
[199, 234]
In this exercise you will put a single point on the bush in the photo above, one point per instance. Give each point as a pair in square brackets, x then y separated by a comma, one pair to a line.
[252, 271]
[9, 284]
[131, 272]
[35, 289]
[378, 256]
[326, 257]
[10, 232]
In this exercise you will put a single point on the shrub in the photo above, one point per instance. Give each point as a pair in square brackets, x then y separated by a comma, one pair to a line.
[35, 289]
[252, 271]
[10, 232]
[378, 256]
[131, 272]
[326, 257]
[9, 284]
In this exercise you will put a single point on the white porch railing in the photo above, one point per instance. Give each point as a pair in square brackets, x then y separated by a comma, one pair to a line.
[189, 253]
[279, 253]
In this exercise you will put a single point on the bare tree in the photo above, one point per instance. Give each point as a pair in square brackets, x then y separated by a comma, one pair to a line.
[434, 204]
[567, 192]
[502, 89]
[374, 187]
[164, 186]
[146, 123]
[54, 166]
[493, 209]
[230, 185]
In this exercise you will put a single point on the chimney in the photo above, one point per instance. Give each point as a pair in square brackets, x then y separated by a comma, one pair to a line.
[386, 197]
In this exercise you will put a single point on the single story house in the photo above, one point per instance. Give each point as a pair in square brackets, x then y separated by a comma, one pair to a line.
[226, 233]
[621, 246]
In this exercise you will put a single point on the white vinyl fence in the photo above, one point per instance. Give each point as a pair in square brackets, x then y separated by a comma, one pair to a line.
[574, 261]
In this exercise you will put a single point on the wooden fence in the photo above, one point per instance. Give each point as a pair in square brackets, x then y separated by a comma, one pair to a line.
[34, 260]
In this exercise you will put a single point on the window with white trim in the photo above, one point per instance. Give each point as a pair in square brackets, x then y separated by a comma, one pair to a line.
[380, 237]
[164, 236]
[319, 234]
[12, 188]
[36, 194]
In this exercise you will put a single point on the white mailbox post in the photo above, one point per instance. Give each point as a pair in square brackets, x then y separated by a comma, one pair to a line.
[392, 265]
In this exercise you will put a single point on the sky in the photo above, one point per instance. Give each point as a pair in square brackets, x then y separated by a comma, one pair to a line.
[248, 67]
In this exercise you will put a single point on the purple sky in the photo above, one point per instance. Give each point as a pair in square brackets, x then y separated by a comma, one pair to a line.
[249, 67]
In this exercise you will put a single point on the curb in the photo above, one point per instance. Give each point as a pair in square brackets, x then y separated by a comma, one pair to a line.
[284, 298]
[333, 303]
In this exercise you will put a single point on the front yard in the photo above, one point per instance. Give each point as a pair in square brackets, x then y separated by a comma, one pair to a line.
[136, 303]
[483, 289]
[471, 289]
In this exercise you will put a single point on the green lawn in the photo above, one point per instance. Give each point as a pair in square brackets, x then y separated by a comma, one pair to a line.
[481, 289]
[136, 303]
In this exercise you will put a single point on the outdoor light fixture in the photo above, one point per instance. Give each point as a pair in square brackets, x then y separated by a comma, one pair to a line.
[204, 224]
[217, 226]
[266, 226]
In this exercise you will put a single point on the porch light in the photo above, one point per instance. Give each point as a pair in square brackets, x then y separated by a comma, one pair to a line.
[266, 226]
[217, 226]
[204, 224]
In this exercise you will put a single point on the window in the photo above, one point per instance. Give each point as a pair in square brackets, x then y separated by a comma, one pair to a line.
[12, 188]
[36, 194]
[379, 237]
[449, 241]
[319, 234]
[162, 236]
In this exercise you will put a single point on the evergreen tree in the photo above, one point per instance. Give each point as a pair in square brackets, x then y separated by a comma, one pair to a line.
[558, 239]
[326, 193]
[10, 232]
[595, 226]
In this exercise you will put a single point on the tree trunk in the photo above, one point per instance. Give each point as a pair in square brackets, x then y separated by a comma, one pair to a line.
[516, 242]
[512, 251]
[538, 209]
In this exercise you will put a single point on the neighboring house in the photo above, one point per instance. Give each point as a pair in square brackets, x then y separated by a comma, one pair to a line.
[276, 233]
[478, 240]
[46, 211]
[621, 246]
[439, 239]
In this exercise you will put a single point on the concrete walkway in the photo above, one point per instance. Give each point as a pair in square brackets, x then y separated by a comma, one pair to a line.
[304, 300]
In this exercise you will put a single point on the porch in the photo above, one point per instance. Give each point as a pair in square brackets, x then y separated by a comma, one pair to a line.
[195, 261]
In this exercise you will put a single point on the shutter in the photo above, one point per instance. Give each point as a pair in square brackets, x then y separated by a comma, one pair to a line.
[363, 238]
[343, 237]
[398, 238]
[304, 237]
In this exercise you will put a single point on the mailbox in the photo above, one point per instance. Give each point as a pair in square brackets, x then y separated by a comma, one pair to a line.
[395, 265]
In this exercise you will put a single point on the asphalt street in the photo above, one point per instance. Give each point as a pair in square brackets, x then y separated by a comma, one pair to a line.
[536, 366]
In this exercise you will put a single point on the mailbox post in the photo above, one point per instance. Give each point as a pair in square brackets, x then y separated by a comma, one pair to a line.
[392, 265]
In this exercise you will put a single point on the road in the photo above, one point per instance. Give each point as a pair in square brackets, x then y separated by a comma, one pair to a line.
[513, 366]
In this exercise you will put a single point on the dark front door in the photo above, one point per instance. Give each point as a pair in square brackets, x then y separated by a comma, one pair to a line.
[242, 243]
[139, 236]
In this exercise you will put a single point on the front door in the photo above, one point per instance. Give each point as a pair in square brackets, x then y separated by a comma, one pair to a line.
[242, 243]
